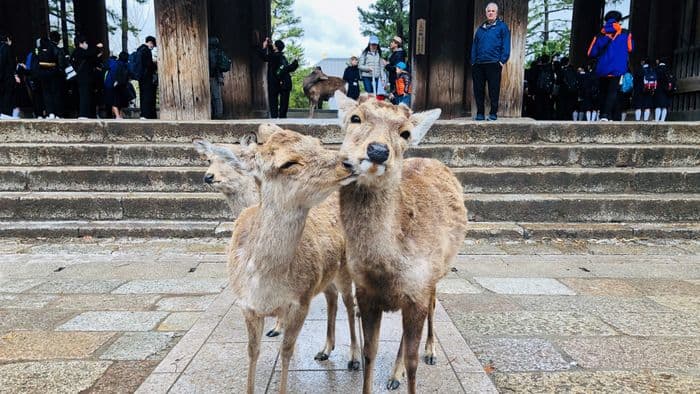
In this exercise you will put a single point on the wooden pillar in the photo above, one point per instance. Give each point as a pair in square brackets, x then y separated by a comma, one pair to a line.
[663, 34]
[639, 27]
[91, 21]
[243, 90]
[587, 19]
[420, 11]
[183, 62]
[25, 21]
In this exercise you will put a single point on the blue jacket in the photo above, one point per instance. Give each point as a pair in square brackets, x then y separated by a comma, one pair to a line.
[491, 43]
[612, 61]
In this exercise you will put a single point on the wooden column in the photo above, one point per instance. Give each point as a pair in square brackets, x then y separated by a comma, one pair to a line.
[587, 20]
[25, 21]
[663, 33]
[183, 62]
[91, 21]
[420, 10]
[639, 27]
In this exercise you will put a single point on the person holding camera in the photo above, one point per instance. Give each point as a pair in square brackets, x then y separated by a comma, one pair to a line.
[279, 80]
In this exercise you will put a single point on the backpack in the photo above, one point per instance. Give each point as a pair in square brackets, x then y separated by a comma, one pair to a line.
[570, 80]
[626, 82]
[135, 65]
[670, 84]
[223, 62]
[281, 69]
[545, 81]
[650, 80]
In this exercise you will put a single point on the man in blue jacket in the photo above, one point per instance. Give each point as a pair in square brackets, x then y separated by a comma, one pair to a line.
[490, 52]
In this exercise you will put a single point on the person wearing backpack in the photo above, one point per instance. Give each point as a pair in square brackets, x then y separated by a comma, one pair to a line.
[611, 48]
[568, 91]
[84, 60]
[543, 87]
[279, 80]
[219, 63]
[8, 76]
[590, 93]
[665, 88]
[642, 94]
[143, 69]
[116, 82]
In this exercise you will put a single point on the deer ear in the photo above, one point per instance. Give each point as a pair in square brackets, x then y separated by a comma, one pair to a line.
[203, 147]
[265, 131]
[345, 104]
[230, 158]
[421, 124]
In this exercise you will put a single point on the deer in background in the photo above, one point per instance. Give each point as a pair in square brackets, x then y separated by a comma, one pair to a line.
[319, 87]
[404, 222]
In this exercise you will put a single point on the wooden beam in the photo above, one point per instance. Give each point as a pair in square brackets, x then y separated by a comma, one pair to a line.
[587, 20]
[420, 10]
[183, 61]
[663, 35]
[25, 21]
[688, 85]
[639, 27]
[91, 21]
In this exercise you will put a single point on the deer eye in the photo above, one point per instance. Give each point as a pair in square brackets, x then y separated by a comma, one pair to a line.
[288, 164]
[355, 119]
[405, 134]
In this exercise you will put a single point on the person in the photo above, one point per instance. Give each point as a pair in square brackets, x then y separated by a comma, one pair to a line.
[8, 76]
[147, 78]
[219, 63]
[590, 97]
[642, 99]
[403, 85]
[49, 76]
[84, 60]
[490, 52]
[116, 84]
[544, 88]
[279, 80]
[397, 56]
[611, 47]
[371, 65]
[351, 76]
[568, 91]
[666, 86]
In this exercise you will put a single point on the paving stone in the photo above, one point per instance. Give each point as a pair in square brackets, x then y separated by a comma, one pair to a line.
[661, 287]
[122, 377]
[179, 321]
[137, 346]
[210, 270]
[45, 345]
[459, 355]
[633, 353]
[75, 286]
[32, 319]
[533, 267]
[520, 323]
[25, 301]
[172, 286]
[601, 287]
[157, 383]
[596, 382]
[480, 248]
[456, 286]
[458, 303]
[318, 310]
[105, 302]
[114, 321]
[641, 269]
[232, 329]
[476, 383]
[679, 303]
[129, 269]
[529, 247]
[312, 339]
[588, 304]
[18, 285]
[333, 381]
[524, 286]
[654, 324]
[50, 377]
[518, 354]
[181, 304]
[634, 249]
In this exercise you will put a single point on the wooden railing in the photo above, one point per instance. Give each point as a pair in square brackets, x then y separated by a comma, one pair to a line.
[686, 68]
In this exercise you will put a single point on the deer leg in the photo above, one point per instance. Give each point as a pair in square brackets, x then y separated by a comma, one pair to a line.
[345, 285]
[413, 317]
[295, 320]
[430, 357]
[254, 325]
[399, 369]
[332, 302]
[277, 330]
[371, 324]
[312, 107]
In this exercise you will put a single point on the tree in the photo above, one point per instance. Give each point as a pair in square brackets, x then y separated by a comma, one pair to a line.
[549, 27]
[121, 21]
[286, 27]
[62, 19]
[386, 19]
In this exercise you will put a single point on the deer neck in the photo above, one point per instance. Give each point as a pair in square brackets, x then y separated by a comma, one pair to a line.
[279, 232]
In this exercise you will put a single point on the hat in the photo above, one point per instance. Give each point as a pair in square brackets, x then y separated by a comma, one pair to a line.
[373, 40]
[401, 65]
[398, 40]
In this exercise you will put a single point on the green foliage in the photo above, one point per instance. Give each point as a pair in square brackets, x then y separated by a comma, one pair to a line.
[548, 29]
[296, 97]
[386, 19]
[286, 27]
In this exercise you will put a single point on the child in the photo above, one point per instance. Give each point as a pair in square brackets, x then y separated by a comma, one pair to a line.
[642, 98]
[403, 85]
[666, 87]
[351, 76]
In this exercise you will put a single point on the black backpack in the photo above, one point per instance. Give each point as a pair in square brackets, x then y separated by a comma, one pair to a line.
[545, 80]
[223, 62]
[570, 80]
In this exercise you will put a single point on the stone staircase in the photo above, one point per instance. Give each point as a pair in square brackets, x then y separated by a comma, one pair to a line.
[521, 179]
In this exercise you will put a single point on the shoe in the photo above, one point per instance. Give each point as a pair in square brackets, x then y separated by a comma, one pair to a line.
[604, 120]
[82, 118]
[51, 116]
[493, 117]
[40, 117]
[142, 118]
[479, 117]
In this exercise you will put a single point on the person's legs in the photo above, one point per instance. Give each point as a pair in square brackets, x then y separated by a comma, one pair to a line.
[608, 87]
[272, 101]
[664, 113]
[479, 80]
[647, 114]
[85, 92]
[367, 83]
[493, 75]
[217, 104]
[284, 103]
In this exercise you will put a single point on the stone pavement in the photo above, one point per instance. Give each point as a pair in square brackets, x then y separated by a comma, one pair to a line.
[152, 315]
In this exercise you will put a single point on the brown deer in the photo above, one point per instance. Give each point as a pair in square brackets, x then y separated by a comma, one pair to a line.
[284, 250]
[319, 87]
[404, 222]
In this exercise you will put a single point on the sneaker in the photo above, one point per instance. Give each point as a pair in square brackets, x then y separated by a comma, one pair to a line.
[142, 118]
[51, 116]
[493, 117]
[479, 117]
[604, 120]
[40, 117]
[82, 118]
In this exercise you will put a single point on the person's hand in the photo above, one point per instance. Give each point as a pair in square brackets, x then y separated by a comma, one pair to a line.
[100, 45]
[17, 79]
[501, 64]
[266, 42]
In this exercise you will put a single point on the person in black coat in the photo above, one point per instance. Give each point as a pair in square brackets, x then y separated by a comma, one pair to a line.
[279, 80]
[8, 75]
[352, 77]
[398, 55]
[662, 95]
[84, 60]
[147, 79]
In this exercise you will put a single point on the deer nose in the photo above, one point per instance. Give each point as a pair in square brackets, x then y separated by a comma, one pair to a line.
[377, 153]
[208, 178]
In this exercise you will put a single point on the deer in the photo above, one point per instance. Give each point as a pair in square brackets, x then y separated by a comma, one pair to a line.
[288, 247]
[404, 222]
[319, 87]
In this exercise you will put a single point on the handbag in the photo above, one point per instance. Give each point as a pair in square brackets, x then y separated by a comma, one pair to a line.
[70, 73]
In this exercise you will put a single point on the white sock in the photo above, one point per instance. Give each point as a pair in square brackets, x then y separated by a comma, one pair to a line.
[664, 112]
[15, 113]
[647, 113]
[657, 114]
[588, 116]
[574, 116]
[624, 116]
[594, 117]
[637, 115]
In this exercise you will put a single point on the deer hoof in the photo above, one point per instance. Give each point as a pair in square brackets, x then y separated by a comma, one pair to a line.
[430, 359]
[272, 333]
[353, 365]
[321, 356]
[392, 384]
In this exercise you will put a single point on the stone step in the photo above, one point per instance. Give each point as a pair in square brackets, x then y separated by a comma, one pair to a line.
[482, 207]
[443, 132]
[489, 155]
[474, 179]
[475, 230]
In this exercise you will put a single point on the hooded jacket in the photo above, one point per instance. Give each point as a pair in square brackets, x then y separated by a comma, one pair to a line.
[491, 43]
[611, 47]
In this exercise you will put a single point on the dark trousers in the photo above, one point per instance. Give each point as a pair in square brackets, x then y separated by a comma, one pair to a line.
[278, 100]
[147, 96]
[87, 106]
[51, 91]
[608, 99]
[7, 96]
[486, 73]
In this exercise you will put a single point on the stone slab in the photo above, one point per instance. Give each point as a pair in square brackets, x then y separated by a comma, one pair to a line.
[665, 287]
[18, 285]
[182, 304]
[138, 346]
[114, 321]
[476, 383]
[45, 345]
[544, 286]
[33, 319]
[519, 354]
[456, 304]
[77, 286]
[157, 383]
[312, 339]
[25, 301]
[654, 324]
[105, 302]
[601, 287]
[50, 376]
[456, 286]
[179, 321]
[123, 377]
[589, 304]
[522, 323]
[679, 303]
[211, 270]
[172, 286]
[130, 267]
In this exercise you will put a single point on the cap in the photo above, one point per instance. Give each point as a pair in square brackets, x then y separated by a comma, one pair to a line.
[401, 65]
[373, 40]
[398, 39]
